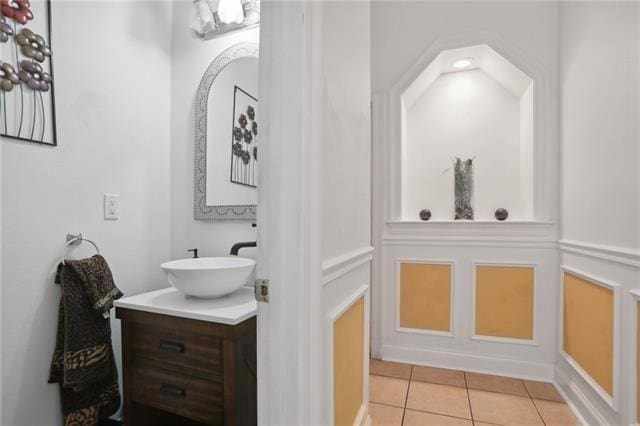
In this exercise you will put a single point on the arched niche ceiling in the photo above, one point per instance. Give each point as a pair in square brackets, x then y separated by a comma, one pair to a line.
[482, 110]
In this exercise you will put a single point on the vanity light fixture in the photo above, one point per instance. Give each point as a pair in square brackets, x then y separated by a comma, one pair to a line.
[462, 63]
[230, 11]
[212, 18]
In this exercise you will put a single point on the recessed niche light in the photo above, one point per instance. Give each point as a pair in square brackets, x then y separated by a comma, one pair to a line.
[462, 63]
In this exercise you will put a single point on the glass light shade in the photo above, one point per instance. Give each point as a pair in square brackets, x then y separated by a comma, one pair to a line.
[230, 11]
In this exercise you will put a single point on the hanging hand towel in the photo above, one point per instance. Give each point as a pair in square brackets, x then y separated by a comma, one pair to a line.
[83, 362]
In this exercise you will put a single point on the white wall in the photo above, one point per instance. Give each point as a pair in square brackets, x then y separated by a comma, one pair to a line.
[345, 145]
[112, 63]
[342, 133]
[527, 151]
[599, 95]
[600, 202]
[190, 57]
[394, 23]
[405, 37]
[464, 114]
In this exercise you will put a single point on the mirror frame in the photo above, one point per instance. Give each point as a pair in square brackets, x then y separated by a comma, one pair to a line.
[202, 211]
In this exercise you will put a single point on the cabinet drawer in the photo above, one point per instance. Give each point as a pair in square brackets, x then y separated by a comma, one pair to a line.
[177, 393]
[193, 351]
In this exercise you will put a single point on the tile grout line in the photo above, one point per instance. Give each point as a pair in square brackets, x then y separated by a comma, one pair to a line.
[386, 405]
[440, 414]
[533, 402]
[406, 397]
[420, 411]
[466, 388]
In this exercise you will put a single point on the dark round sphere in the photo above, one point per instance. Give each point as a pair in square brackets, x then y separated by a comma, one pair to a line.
[502, 214]
[425, 214]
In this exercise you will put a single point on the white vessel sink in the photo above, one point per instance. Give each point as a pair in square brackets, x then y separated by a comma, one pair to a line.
[209, 277]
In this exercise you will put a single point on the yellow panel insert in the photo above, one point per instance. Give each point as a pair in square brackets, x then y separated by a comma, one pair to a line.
[348, 371]
[425, 296]
[504, 301]
[588, 328]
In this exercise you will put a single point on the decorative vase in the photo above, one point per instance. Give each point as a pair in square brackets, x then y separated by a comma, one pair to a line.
[463, 186]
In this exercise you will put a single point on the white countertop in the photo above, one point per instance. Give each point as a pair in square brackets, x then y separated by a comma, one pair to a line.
[231, 309]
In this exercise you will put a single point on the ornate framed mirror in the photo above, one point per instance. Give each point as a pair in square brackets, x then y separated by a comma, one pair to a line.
[227, 137]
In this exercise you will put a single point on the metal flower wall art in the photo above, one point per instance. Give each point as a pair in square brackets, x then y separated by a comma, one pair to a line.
[27, 101]
[244, 148]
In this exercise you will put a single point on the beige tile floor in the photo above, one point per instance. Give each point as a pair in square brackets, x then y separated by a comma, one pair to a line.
[411, 395]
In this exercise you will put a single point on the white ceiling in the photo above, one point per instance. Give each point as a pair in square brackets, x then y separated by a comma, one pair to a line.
[483, 57]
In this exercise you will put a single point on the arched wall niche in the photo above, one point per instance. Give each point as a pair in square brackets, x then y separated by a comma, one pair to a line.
[481, 109]
[492, 111]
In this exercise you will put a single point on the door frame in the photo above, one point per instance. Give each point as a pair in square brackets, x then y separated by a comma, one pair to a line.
[289, 386]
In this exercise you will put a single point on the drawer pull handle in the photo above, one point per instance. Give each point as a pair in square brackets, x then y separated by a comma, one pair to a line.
[173, 391]
[171, 346]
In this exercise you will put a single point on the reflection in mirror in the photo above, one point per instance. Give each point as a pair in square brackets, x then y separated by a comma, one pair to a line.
[232, 135]
[227, 136]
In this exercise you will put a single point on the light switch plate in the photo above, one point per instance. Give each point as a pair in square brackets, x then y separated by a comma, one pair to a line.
[111, 206]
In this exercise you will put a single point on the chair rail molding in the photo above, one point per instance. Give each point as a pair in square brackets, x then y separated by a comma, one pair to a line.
[523, 233]
[609, 253]
[335, 267]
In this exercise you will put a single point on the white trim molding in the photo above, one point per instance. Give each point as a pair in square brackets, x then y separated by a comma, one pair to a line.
[427, 241]
[611, 400]
[474, 282]
[634, 409]
[577, 400]
[452, 264]
[489, 364]
[363, 419]
[476, 229]
[603, 252]
[336, 267]
[344, 306]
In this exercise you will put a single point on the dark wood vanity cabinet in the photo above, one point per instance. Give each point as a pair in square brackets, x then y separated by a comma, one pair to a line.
[180, 371]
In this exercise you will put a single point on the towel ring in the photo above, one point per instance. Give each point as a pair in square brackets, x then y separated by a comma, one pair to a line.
[74, 240]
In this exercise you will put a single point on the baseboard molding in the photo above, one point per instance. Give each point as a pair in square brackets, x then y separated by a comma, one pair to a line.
[363, 419]
[582, 407]
[470, 362]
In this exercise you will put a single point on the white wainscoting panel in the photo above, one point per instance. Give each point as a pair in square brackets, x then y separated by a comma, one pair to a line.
[616, 269]
[459, 349]
[349, 281]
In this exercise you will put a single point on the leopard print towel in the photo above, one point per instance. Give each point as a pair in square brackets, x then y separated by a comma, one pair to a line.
[83, 362]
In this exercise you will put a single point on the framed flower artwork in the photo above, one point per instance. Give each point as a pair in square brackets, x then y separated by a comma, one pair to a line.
[244, 142]
[27, 100]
